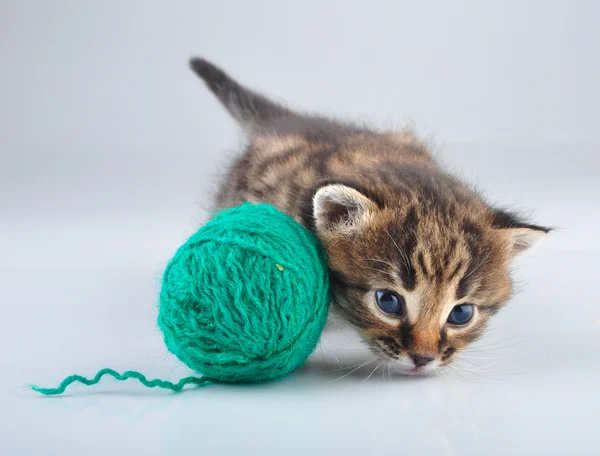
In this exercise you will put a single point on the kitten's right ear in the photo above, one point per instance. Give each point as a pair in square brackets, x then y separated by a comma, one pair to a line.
[340, 209]
[252, 110]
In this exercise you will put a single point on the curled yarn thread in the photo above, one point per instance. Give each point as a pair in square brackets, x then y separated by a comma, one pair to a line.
[176, 387]
[245, 299]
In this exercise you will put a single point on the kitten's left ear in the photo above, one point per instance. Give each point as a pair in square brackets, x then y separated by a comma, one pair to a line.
[525, 238]
[522, 235]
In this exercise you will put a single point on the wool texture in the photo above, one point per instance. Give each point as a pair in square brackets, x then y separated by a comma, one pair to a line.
[246, 298]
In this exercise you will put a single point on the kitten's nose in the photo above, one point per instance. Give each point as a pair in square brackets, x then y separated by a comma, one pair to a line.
[421, 361]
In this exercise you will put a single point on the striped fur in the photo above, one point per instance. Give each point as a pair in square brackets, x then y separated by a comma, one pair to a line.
[388, 215]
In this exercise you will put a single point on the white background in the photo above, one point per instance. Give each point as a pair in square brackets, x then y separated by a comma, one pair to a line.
[109, 151]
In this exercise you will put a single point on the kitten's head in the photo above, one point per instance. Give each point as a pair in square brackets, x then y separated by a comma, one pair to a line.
[418, 269]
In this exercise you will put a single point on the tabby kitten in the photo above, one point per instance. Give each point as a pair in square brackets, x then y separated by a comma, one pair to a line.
[419, 262]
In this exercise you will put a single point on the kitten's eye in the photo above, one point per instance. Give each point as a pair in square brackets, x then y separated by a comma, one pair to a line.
[461, 314]
[390, 302]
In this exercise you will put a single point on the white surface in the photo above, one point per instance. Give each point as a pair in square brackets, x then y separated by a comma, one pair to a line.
[538, 395]
[109, 145]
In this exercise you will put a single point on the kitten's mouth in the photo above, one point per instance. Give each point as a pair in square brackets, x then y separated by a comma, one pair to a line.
[405, 366]
[415, 371]
[418, 372]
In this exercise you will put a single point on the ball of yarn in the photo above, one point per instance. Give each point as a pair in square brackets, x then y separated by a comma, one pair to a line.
[245, 299]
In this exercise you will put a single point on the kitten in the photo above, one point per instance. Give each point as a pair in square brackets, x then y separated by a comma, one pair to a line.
[419, 262]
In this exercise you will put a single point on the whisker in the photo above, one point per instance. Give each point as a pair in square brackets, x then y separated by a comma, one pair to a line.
[477, 358]
[445, 372]
[393, 266]
[345, 323]
[476, 350]
[407, 264]
[442, 370]
[359, 349]
[336, 242]
[337, 361]
[353, 370]
[336, 370]
[495, 343]
[482, 278]
[489, 368]
[478, 265]
[464, 359]
[455, 372]
[475, 368]
[479, 374]
[461, 359]
[380, 271]
[377, 367]
[323, 355]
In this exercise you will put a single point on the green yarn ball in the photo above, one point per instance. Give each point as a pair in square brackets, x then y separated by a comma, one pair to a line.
[245, 299]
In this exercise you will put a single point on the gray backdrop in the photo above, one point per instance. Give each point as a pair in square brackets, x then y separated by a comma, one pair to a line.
[109, 150]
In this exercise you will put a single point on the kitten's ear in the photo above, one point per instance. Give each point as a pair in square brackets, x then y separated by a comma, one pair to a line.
[522, 235]
[525, 238]
[340, 209]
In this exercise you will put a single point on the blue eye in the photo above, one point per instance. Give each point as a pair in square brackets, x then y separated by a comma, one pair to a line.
[390, 302]
[461, 314]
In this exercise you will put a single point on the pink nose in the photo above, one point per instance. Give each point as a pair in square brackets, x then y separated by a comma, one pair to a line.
[421, 361]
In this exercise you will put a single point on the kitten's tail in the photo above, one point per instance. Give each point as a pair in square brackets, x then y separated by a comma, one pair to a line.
[252, 110]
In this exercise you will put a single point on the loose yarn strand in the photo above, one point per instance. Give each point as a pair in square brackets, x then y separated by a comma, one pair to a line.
[175, 387]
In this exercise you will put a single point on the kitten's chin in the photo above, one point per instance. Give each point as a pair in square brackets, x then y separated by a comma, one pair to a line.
[405, 366]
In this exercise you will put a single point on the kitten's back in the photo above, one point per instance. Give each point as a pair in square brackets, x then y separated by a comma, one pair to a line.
[290, 155]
